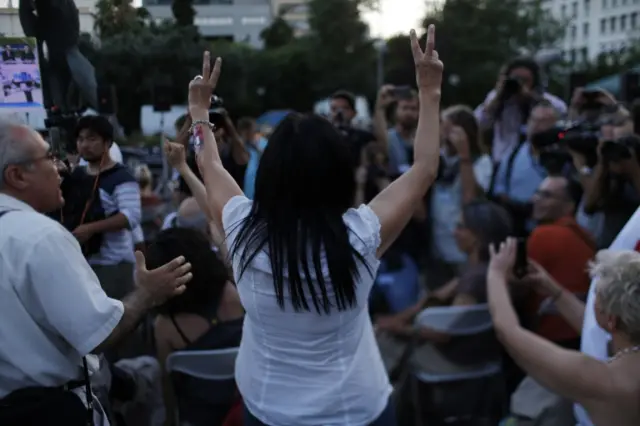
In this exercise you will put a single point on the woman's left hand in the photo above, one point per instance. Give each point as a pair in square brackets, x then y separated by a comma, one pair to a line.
[503, 259]
[460, 141]
[202, 86]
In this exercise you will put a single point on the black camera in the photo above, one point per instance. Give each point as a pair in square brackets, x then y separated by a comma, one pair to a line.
[553, 153]
[217, 113]
[621, 149]
[512, 86]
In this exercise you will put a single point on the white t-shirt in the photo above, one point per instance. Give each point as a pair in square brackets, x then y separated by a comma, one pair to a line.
[53, 310]
[114, 153]
[303, 368]
[594, 339]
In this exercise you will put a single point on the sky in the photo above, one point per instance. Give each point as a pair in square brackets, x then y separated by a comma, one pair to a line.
[395, 16]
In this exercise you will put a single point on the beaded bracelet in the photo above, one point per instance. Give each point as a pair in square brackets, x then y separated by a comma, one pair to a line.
[201, 122]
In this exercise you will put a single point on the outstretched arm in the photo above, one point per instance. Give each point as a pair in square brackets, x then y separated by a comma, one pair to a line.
[560, 370]
[220, 185]
[395, 205]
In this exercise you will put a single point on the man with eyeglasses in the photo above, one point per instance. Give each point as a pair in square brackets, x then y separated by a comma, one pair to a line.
[54, 315]
[564, 249]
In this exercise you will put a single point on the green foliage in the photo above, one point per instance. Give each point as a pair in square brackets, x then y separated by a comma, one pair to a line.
[113, 17]
[183, 12]
[476, 37]
[278, 34]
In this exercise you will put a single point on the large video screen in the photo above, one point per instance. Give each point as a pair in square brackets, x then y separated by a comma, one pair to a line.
[20, 74]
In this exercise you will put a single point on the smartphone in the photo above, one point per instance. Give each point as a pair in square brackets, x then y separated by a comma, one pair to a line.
[521, 265]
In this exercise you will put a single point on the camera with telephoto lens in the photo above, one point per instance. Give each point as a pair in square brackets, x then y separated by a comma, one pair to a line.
[217, 112]
[621, 149]
[553, 153]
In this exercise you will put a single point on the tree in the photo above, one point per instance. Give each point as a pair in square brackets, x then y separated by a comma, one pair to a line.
[116, 16]
[476, 37]
[278, 34]
[183, 12]
[343, 54]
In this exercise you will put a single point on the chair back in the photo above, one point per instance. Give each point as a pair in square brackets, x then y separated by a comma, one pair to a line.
[214, 365]
[456, 320]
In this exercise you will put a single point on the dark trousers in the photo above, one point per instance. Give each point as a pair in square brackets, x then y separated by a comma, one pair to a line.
[387, 418]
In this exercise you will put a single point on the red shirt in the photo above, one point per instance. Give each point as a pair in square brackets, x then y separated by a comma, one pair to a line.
[564, 249]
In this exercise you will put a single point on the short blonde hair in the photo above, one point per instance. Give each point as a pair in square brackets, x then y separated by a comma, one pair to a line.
[618, 275]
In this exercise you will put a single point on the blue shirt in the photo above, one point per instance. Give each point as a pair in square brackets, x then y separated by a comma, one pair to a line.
[252, 168]
[526, 175]
[399, 152]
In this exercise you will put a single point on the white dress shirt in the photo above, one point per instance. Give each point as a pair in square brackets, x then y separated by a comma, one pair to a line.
[594, 339]
[303, 368]
[52, 308]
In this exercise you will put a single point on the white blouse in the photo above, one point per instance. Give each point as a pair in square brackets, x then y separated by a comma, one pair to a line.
[304, 368]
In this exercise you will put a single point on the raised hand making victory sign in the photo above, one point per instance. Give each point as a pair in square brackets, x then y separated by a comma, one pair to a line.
[202, 86]
[428, 65]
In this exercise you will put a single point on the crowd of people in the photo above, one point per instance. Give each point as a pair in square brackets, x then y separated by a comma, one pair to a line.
[314, 254]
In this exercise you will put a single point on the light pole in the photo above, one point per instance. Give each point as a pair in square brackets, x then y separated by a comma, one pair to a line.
[381, 48]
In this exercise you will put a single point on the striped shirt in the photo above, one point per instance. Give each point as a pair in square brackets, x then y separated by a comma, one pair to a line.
[119, 193]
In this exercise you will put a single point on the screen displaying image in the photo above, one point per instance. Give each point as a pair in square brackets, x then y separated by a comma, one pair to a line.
[19, 73]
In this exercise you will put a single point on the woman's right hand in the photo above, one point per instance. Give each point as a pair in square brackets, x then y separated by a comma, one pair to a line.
[201, 88]
[175, 154]
[428, 66]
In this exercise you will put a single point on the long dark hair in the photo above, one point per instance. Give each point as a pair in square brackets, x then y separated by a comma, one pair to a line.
[489, 222]
[463, 116]
[209, 272]
[304, 184]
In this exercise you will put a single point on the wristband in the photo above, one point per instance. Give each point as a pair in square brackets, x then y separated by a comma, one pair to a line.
[197, 123]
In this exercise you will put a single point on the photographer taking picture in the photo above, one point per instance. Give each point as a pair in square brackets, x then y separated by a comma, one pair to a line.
[612, 186]
[507, 107]
[342, 114]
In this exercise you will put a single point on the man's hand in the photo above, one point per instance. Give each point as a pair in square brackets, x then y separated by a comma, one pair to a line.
[540, 281]
[428, 66]
[175, 154]
[162, 283]
[83, 233]
[385, 97]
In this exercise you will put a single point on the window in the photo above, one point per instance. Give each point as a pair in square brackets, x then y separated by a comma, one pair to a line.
[612, 23]
[624, 2]
[573, 55]
[254, 20]
[587, 7]
[634, 20]
[604, 4]
[614, 3]
[574, 32]
[574, 9]
[563, 11]
[603, 26]
[585, 30]
[211, 21]
[585, 54]
[623, 22]
[603, 47]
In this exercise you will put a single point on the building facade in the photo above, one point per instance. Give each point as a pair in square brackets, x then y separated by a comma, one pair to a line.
[233, 20]
[597, 26]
